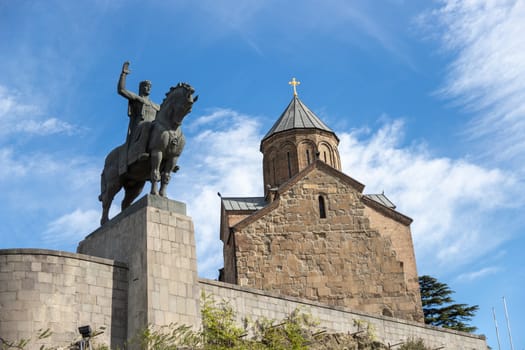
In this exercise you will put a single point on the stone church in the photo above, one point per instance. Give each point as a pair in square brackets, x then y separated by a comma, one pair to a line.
[314, 234]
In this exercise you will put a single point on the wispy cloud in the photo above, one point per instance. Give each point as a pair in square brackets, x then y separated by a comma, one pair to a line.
[72, 227]
[18, 116]
[473, 275]
[44, 127]
[252, 21]
[487, 72]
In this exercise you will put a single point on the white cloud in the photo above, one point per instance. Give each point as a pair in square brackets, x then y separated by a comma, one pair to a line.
[71, 228]
[18, 116]
[487, 74]
[453, 202]
[45, 127]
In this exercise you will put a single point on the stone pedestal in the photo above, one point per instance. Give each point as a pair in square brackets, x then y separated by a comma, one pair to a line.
[156, 239]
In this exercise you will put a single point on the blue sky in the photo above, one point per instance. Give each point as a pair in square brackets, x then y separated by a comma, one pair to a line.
[427, 97]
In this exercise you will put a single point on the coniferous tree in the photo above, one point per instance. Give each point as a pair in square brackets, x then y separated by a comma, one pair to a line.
[439, 308]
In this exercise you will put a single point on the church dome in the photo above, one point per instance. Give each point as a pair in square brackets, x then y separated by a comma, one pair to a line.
[296, 140]
[297, 116]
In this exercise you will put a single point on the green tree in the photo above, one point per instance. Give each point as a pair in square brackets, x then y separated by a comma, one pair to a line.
[439, 308]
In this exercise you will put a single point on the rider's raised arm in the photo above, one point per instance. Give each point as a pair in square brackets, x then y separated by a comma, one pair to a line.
[121, 86]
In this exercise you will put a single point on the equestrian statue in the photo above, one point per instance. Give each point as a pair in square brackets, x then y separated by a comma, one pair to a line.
[153, 144]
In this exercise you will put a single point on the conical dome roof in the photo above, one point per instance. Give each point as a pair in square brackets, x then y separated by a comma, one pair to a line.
[297, 116]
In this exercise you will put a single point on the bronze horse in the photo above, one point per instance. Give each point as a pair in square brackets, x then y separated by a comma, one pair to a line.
[165, 144]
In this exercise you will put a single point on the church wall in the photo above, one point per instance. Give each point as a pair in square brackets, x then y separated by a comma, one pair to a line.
[228, 247]
[401, 238]
[255, 304]
[339, 260]
[42, 289]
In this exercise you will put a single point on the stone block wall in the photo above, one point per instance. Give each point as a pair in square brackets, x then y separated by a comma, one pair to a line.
[41, 289]
[254, 304]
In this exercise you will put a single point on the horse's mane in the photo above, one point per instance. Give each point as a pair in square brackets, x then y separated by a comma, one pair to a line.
[172, 89]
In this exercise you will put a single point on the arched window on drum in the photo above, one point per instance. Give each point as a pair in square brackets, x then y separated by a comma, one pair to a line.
[326, 154]
[306, 152]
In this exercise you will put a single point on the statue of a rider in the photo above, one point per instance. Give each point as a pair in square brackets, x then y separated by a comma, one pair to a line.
[141, 112]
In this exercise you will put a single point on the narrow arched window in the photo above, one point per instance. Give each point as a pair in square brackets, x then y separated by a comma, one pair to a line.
[307, 157]
[289, 165]
[322, 208]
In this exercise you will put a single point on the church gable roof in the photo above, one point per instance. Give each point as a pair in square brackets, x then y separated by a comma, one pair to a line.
[356, 185]
[377, 203]
[297, 116]
[260, 207]
[319, 164]
[381, 199]
[243, 203]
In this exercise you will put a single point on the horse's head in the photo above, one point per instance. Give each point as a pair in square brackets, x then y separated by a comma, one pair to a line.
[177, 104]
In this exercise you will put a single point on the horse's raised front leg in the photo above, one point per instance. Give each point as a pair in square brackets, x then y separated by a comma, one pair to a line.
[156, 159]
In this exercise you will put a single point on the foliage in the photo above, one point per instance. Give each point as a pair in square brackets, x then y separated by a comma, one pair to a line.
[219, 329]
[22, 343]
[366, 329]
[44, 334]
[294, 332]
[439, 308]
[167, 337]
[414, 344]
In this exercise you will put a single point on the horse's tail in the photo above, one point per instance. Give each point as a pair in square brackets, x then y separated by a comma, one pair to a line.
[103, 186]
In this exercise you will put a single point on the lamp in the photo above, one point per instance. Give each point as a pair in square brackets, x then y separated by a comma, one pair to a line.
[85, 331]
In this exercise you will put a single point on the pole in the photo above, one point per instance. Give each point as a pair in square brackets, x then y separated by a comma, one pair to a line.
[496, 325]
[508, 323]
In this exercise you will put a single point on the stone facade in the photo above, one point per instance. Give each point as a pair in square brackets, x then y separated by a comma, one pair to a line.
[41, 289]
[395, 227]
[339, 259]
